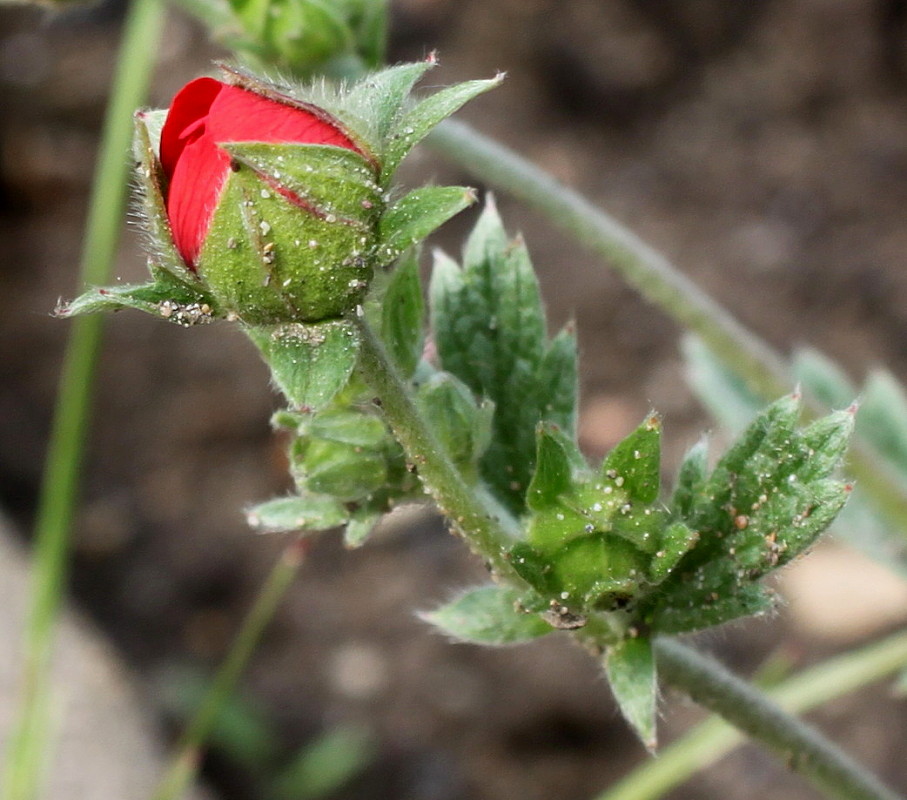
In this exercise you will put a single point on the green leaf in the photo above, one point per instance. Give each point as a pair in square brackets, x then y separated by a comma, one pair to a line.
[487, 615]
[691, 479]
[630, 666]
[309, 363]
[418, 122]
[635, 463]
[403, 315]
[415, 215]
[692, 608]
[360, 526]
[559, 373]
[298, 513]
[344, 471]
[883, 417]
[677, 539]
[347, 426]
[489, 329]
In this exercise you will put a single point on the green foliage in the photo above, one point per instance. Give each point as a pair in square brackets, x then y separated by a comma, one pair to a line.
[489, 329]
[403, 315]
[630, 667]
[487, 615]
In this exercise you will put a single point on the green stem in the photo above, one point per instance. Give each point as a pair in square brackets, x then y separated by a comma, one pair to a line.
[804, 750]
[486, 531]
[60, 484]
[714, 738]
[187, 754]
[764, 370]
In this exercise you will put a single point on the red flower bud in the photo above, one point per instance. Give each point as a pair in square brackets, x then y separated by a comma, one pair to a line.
[207, 113]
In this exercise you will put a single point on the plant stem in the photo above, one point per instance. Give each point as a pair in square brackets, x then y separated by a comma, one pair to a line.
[187, 754]
[709, 741]
[60, 484]
[751, 711]
[486, 532]
[764, 370]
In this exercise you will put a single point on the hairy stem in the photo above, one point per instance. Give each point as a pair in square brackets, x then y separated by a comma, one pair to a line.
[765, 371]
[804, 750]
[487, 532]
[59, 489]
[186, 756]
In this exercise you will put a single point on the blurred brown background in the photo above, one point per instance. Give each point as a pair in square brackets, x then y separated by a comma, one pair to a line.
[761, 145]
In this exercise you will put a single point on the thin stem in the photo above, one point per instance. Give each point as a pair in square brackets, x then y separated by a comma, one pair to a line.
[804, 749]
[187, 753]
[764, 370]
[59, 488]
[486, 531]
[711, 740]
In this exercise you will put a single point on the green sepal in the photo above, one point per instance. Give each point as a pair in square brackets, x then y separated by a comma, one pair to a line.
[310, 363]
[360, 526]
[556, 459]
[379, 98]
[308, 512]
[630, 667]
[347, 472]
[677, 539]
[462, 426]
[691, 479]
[166, 297]
[163, 252]
[635, 463]
[488, 615]
[415, 124]
[559, 372]
[415, 215]
[330, 180]
[403, 315]
[268, 261]
[346, 426]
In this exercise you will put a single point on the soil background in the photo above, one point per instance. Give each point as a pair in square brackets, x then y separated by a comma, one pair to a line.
[761, 145]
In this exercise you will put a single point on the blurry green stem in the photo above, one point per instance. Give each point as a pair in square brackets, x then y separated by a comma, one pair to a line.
[643, 267]
[714, 738]
[803, 749]
[186, 758]
[60, 485]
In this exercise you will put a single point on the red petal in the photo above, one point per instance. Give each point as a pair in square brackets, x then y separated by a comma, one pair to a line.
[189, 107]
[195, 188]
[238, 115]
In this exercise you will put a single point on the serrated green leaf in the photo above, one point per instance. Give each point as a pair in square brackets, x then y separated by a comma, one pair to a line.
[414, 125]
[417, 214]
[635, 463]
[489, 328]
[309, 363]
[822, 379]
[298, 513]
[403, 315]
[559, 372]
[630, 666]
[825, 442]
[487, 615]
